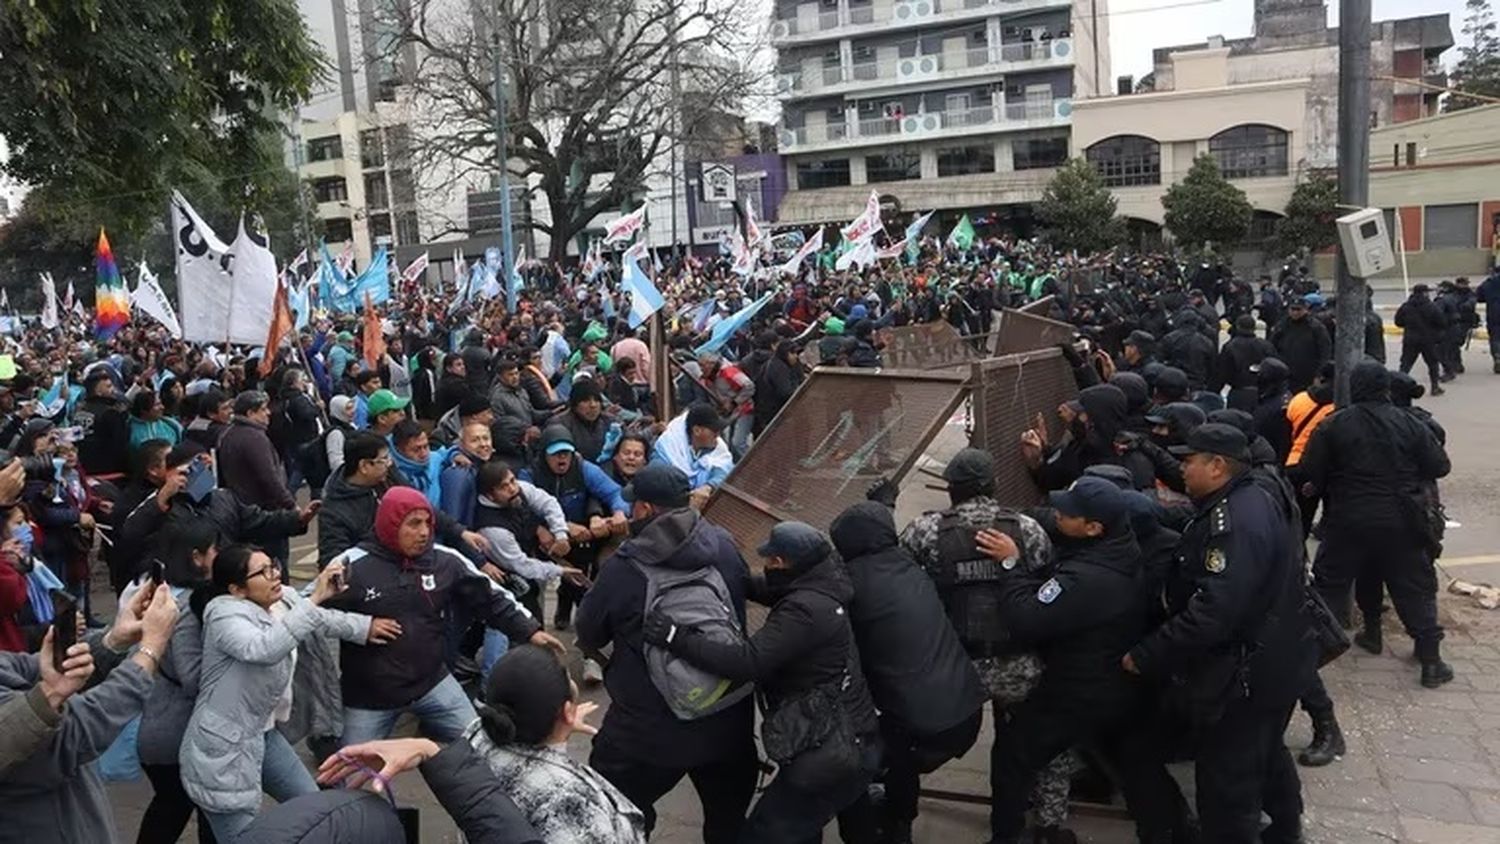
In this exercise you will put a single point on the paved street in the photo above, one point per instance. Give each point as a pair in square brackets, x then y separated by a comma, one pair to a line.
[1423, 766]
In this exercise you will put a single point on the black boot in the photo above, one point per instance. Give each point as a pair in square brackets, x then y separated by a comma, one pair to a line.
[896, 832]
[1053, 835]
[1369, 638]
[1435, 673]
[1327, 743]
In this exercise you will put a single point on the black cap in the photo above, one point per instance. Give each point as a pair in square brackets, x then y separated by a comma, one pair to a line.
[472, 403]
[1140, 339]
[798, 543]
[1172, 380]
[970, 467]
[1216, 438]
[1092, 498]
[703, 415]
[661, 484]
[1420, 288]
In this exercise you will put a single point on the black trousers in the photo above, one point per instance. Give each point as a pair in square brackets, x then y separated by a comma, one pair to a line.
[1027, 737]
[906, 758]
[1405, 569]
[1428, 351]
[724, 787]
[1315, 701]
[167, 814]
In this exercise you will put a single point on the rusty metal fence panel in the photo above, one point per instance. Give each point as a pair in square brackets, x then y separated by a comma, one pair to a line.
[930, 345]
[841, 432]
[1008, 394]
[1019, 331]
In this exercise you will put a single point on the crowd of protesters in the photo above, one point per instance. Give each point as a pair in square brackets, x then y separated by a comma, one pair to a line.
[476, 466]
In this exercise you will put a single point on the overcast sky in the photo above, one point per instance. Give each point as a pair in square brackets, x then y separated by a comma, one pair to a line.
[1136, 27]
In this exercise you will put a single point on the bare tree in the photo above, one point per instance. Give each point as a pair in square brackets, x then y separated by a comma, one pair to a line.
[597, 91]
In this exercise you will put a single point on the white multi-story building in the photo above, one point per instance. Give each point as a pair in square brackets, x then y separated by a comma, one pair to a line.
[946, 104]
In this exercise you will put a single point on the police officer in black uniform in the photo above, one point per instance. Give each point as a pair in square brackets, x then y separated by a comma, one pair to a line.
[1235, 647]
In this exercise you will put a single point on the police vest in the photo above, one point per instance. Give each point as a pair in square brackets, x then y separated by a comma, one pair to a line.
[969, 581]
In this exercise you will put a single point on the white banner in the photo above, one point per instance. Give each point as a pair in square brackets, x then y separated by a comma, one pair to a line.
[625, 226]
[49, 302]
[150, 298]
[812, 245]
[862, 255]
[68, 298]
[416, 268]
[867, 223]
[225, 293]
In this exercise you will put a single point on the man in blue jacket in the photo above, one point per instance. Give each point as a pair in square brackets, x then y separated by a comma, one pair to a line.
[591, 502]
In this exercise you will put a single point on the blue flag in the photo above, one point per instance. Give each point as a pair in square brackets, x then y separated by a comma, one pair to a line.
[297, 300]
[645, 299]
[331, 282]
[703, 312]
[375, 280]
[730, 325]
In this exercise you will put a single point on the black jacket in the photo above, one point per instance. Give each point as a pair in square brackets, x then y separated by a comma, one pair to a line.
[1189, 350]
[918, 672]
[639, 723]
[451, 389]
[773, 389]
[1235, 598]
[1421, 321]
[1369, 461]
[1105, 405]
[419, 593]
[806, 643]
[1233, 369]
[139, 538]
[1302, 345]
[105, 428]
[1082, 619]
[476, 367]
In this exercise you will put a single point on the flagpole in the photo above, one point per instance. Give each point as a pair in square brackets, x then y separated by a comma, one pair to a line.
[502, 156]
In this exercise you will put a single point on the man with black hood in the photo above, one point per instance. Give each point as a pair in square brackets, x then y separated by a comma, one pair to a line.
[102, 420]
[922, 680]
[1082, 619]
[476, 360]
[1236, 364]
[1137, 400]
[1422, 330]
[642, 747]
[1270, 406]
[1302, 344]
[805, 650]
[1092, 422]
[1376, 466]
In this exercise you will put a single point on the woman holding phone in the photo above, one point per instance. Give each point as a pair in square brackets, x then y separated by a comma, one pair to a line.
[252, 625]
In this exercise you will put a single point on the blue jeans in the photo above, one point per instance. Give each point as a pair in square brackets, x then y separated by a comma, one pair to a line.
[282, 775]
[443, 712]
[495, 646]
[739, 434]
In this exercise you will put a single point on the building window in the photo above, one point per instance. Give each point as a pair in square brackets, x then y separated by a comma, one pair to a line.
[1037, 153]
[828, 173]
[338, 230]
[1125, 160]
[1248, 151]
[371, 151]
[1411, 154]
[898, 165]
[380, 227]
[407, 232]
[1450, 226]
[331, 190]
[963, 161]
[325, 149]
[376, 194]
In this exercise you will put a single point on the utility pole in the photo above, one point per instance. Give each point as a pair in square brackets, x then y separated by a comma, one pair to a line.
[1354, 181]
[502, 157]
[676, 82]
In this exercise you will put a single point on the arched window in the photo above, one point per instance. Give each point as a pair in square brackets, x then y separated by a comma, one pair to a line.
[1250, 150]
[1126, 160]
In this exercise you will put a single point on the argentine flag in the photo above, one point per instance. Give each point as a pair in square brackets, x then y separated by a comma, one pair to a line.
[645, 299]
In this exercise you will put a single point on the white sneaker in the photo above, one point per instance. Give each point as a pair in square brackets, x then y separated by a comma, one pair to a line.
[593, 675]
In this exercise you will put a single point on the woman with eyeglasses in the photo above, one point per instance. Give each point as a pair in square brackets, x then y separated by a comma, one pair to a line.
[252, 626]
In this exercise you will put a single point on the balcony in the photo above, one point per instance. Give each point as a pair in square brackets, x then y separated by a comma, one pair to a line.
[938, 68]
[953, 123]
[813, 26]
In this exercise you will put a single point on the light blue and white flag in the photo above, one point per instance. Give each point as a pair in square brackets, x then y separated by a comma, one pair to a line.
[730, 325]
[914, 235]
[645, 299]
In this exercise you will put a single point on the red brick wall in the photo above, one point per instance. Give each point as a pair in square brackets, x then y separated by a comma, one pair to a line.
[1411, 227]
[1406, 107]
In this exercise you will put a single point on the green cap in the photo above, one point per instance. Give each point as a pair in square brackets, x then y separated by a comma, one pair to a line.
[833, 325]
[382, 401]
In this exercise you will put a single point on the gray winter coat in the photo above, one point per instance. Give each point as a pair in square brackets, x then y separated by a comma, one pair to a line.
[170, 704]
[54, 794]
[246, 665]
[516, 403]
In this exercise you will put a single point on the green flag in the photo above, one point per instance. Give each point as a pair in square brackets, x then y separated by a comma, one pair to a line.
[962, 235]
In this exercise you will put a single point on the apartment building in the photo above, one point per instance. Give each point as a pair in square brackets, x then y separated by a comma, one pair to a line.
[949, 104]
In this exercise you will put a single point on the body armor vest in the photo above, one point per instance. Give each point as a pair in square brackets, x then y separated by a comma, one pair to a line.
[969, 582]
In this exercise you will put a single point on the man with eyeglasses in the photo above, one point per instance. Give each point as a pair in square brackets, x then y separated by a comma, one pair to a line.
[352, 495]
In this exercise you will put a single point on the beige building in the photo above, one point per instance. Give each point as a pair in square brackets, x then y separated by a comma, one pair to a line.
[363, 192]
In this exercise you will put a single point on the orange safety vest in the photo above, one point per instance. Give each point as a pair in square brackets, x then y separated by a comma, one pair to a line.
[1304, 413]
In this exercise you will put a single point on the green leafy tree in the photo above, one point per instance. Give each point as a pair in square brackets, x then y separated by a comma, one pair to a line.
[1478, 68]
[1078, 212]
[1205, 208]
[1310, 213]
[108, 105]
